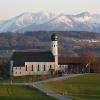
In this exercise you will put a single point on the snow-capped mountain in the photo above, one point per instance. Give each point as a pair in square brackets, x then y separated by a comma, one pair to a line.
[47, 21]
[25, 20]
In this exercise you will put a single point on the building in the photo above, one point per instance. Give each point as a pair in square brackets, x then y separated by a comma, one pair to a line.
[48, 62]
[36, 63]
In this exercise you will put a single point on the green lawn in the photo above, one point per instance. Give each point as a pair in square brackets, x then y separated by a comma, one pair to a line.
[11, 92]
[24, 79]
[84, 87]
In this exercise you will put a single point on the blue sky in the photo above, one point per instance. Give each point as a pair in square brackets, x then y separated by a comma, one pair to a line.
[10, 8]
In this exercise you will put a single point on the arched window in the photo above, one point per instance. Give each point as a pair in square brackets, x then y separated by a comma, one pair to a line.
[50, 66]
[44, 68]
[32, 68]
[26, 67]
[38, 68]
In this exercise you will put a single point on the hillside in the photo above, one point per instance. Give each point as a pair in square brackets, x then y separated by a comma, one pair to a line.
[68, 40]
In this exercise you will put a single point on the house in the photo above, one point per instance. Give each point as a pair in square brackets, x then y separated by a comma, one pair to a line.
[76, 65]
[72, 64]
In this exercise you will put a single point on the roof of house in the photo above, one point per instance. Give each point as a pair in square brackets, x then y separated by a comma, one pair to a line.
[69, 60]
[62, 60]
[20, 58]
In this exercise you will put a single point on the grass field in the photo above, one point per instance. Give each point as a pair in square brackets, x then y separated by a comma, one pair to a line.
[24, 79]
[9, 92]
[84, 87]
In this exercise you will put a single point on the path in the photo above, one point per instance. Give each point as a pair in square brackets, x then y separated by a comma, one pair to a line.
[49, 92]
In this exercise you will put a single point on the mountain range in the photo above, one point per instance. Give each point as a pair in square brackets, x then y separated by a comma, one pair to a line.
[47, 21]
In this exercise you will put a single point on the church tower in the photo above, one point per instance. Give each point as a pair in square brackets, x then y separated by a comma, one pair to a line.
[54, 48]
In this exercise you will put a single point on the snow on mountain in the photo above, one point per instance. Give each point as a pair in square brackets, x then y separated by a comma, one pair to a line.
[51, 22]
[24, 20]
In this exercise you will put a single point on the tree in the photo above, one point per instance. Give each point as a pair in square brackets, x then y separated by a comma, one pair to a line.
[4, 67]
[71, 53]
[89, 57]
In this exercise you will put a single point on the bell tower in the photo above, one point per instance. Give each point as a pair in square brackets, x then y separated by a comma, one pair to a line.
[54, 48]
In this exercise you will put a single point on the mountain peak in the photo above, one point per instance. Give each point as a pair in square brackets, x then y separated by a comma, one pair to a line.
[46, 13]
[85, 14]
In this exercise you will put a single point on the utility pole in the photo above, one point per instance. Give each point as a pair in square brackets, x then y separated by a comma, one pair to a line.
[89, 68]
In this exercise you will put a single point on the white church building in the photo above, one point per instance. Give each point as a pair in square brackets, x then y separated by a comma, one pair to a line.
[36, 63]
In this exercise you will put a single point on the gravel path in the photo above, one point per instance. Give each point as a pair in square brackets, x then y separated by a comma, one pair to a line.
[49, 92]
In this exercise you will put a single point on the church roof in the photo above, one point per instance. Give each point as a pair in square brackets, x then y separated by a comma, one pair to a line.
[20, 58]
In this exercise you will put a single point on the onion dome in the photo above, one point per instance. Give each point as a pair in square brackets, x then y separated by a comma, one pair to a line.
[54, 37]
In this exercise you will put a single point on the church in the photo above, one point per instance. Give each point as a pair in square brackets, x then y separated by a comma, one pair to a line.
[36, 63]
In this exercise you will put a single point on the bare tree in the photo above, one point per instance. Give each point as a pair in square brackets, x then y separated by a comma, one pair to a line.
[71, 53]
[89, 57]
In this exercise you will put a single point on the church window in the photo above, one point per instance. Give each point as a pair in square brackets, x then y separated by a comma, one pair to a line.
[26, 67]
[32, 68]
[50, 66]
[44, 68]
[38, 68]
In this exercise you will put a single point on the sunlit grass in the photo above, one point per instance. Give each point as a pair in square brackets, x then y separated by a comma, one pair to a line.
[12, 92]
[84, 87]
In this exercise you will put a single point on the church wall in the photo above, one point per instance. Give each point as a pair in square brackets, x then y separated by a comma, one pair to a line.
[38, 68]
[19, 71]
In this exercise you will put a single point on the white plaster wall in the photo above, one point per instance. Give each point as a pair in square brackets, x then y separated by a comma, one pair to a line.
[54, 47]
[21, 71]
